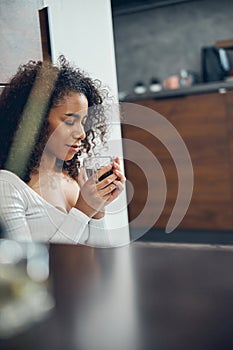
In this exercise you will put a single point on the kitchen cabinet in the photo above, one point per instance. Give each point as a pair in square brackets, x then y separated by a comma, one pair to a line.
[205, 122]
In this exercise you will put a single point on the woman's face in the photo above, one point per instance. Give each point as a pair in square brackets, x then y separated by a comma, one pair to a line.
[66, 126]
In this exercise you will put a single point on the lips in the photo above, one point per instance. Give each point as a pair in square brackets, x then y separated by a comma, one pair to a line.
[73, 147]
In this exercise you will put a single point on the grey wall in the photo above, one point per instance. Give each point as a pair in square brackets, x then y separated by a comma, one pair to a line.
[20, 38]
[159, 42]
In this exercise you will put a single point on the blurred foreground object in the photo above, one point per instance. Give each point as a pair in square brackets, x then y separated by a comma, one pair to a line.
[24, 289]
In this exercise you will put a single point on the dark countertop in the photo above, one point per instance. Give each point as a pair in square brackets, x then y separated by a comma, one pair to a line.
[220, 86]
[144, 296]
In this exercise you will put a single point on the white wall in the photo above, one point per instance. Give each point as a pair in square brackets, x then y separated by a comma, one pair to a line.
[82, 31]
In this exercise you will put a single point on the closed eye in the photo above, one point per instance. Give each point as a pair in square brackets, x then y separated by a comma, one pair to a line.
[69, 121]
[72, 118]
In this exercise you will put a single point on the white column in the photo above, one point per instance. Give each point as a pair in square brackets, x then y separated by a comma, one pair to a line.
[83, 32]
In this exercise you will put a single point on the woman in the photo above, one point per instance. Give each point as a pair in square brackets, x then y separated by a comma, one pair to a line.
[50, 116]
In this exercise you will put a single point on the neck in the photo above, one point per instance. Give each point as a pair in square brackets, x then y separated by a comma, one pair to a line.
[49, 165]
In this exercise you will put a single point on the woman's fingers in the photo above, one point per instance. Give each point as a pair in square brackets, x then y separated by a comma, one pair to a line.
[107, 190]
[120, 176]
[116, 166]
[106, 169]
[119, 187]
[106, 182]
[112, 185]
[98, 190]
[117, 160]
[117, 170]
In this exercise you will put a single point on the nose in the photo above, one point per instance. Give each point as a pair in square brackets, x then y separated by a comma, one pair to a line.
[79, 133]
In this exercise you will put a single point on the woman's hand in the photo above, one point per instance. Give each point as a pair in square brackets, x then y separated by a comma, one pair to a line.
[95, 195]
[118, 182]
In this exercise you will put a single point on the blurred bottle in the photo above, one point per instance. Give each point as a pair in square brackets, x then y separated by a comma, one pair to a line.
[185, 79]
[188, 78]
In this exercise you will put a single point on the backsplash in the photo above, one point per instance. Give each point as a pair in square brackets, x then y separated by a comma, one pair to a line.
[160, 42]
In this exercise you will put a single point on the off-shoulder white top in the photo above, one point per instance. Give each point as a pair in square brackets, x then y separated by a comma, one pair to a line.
[26, 216]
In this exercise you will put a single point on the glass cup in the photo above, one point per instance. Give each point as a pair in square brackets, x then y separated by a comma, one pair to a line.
[95, 163]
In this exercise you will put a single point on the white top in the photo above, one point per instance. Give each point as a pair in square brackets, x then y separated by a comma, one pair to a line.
[26, 216]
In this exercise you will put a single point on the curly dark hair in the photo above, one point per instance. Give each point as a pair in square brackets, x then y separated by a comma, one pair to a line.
[56, 82]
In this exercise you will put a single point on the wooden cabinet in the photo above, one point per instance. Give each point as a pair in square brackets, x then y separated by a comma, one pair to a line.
[205, 122]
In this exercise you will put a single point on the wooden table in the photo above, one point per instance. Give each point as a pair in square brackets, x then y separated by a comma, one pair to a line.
[139, 297]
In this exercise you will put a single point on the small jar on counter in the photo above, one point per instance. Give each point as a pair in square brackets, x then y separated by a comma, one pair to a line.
[155, 85]
[139, 88]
